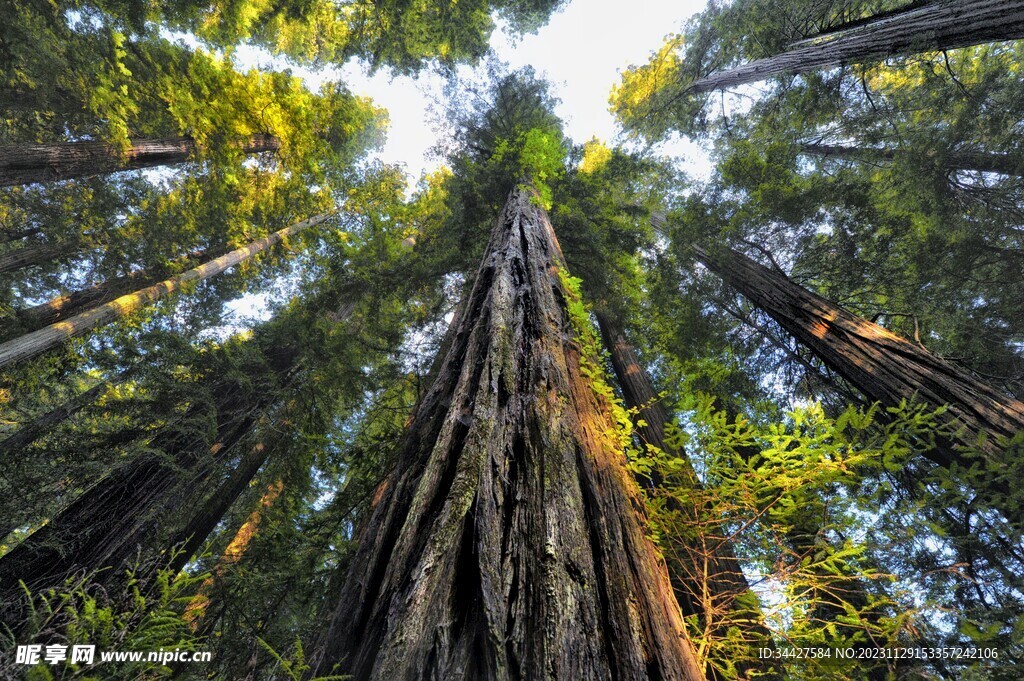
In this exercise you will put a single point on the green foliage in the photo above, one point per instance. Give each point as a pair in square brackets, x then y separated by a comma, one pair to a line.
[141, 618]
[779, 493]
[592, 363]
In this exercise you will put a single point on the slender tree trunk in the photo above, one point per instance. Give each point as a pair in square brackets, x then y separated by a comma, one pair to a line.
[188, 541]
[1004, 164]
[124, 515]
[507, 543]
[37, 253]
[36, 342]
[41, 425]
[707, 577]
[886, 368]
[71, 304]
[28, 163]
[938, 25]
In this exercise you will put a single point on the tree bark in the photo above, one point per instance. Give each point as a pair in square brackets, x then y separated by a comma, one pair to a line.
[884, 367]
[71, 304]
[507, 543]
[8, 235]
[1004, 164]
[938, 25]
[29, 163]
[106, 525]
[710, 578]
[36, 342]
[196, 609]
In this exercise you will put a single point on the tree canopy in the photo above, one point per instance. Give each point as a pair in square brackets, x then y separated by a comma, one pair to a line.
[558, 407]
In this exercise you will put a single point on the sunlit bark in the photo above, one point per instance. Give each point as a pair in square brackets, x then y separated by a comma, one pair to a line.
[508, 544]
[36, 342]
[938, 25]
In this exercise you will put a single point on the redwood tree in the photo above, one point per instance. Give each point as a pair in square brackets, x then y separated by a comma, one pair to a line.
[1004, 164]
[885, 367]
[937, 25]
[28, 163]
[508, 541]
[706, 575]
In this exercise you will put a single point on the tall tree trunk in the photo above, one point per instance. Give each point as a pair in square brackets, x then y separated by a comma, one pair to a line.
[27, 163]
[196, 609]
[707, 577]
[886, 368]
[938, 25]
[36, 342]
[1004, 164]
[185, 544]
[121, 516]
[44, 423]
[507, 543]
[71, 304]
[9, 235]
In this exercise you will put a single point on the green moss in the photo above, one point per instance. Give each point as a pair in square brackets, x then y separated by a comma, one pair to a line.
[592, 363]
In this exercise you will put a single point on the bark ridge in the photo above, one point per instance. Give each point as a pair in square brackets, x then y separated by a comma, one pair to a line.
[507, 544]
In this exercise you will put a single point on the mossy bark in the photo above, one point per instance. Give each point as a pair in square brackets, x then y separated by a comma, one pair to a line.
[508, 542]
[706, 575]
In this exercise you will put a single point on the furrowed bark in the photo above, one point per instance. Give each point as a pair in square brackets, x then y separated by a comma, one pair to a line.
[1004, 164]
[37, 342]
[71, 304]
[29, 163]
[709, 578]
[938, 25]
[44, 423]
[507, 542]
[883, 366]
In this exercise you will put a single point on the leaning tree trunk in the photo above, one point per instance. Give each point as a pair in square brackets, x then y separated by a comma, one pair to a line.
[707, 577]
[1004, 164]
[886, 368]
[38, 253]
[507, 543]
[37, 342]
[28, 163]
[939, 25]
[73, 303]
[199, 604]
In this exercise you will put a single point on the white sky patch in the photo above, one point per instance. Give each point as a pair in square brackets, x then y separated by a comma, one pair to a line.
[582, 51]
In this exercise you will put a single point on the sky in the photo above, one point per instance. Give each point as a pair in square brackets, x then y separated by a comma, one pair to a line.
[581, 51]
